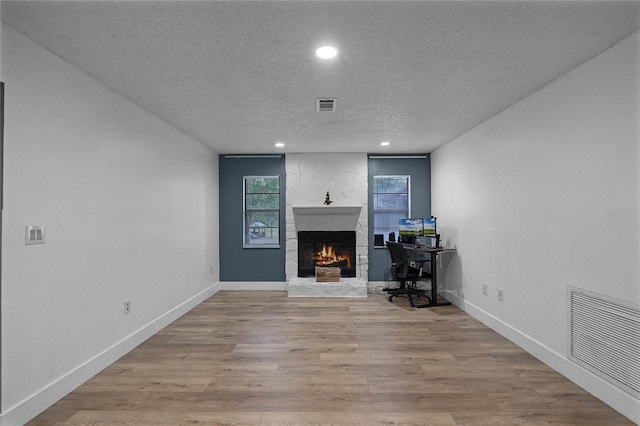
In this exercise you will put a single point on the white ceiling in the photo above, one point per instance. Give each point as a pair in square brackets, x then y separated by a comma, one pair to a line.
[239, 76]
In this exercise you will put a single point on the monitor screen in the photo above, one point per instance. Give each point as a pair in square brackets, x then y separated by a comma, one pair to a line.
[410, 227]
[429, 226]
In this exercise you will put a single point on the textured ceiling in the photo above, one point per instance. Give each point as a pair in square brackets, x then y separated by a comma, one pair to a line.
[239, 76]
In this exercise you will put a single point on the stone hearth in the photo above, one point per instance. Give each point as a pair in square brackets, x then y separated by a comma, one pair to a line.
[308, 287]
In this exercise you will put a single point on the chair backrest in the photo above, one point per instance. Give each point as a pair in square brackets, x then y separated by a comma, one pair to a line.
[399, 262]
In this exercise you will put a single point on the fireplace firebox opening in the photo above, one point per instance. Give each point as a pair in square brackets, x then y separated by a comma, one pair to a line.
[327, 249]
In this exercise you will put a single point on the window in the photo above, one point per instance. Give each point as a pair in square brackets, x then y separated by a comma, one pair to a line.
[390, 203]
[261, 211]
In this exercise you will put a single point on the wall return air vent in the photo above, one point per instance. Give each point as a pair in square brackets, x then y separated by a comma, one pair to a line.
[605, 338]
[326, 105]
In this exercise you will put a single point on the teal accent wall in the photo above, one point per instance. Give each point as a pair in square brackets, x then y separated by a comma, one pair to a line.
[248, 264]
[420, 171]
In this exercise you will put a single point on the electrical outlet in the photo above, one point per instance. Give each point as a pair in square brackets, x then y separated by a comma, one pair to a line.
[127, 306]
[34, 234]
[500, 295]
[485, 289]
[210, 269]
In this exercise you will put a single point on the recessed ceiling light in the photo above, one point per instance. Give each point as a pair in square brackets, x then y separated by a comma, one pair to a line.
[279, 144]
[326, 52]
[385, 143]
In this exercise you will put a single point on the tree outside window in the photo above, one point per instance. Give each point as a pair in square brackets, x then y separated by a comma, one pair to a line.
[261, 211]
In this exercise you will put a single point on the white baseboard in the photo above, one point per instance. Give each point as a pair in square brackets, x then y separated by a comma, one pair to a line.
[616, 398]
[37, 403]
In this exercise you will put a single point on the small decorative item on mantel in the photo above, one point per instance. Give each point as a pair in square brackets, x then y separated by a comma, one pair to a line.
[327, 199]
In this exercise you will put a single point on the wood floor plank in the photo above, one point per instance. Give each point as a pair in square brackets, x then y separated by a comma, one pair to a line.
[338, 384]
[154, 418]
[199, 369]
[357, 419]
[133, 383]
[261, 358]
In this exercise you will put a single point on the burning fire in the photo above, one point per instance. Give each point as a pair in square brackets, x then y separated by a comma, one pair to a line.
[328, 256]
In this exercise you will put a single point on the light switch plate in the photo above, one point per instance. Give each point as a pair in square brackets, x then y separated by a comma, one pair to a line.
[33, 234]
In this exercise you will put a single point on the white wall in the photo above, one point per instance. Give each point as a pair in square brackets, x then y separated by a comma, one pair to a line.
[544, 196]
[309, 177]
[130, 209]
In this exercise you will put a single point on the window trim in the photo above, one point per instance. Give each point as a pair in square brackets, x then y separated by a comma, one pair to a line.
[244, 213]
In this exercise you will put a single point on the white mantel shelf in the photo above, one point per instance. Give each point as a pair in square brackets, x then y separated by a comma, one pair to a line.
[327, 209]
[326, 218]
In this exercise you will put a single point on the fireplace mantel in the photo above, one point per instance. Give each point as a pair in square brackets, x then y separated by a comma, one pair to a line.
[326, 218]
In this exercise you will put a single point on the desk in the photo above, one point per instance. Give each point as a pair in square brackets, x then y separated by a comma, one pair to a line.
[433, 252]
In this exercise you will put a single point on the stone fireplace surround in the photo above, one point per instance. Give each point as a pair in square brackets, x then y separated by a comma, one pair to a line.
[309, 177]
[327, 218]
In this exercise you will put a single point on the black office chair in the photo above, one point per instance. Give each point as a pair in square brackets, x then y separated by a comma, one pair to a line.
[405, 274]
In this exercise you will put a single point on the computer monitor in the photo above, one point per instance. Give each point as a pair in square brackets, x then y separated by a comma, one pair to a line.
[429, 227]
[411, 227]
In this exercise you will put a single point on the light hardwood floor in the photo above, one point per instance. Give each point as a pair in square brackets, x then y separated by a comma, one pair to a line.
[260, 358]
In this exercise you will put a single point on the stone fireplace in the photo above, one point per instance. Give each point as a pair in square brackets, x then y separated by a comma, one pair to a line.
[309, 177]
[327, 237]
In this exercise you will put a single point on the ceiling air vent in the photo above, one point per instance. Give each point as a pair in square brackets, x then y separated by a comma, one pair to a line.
[326, 105]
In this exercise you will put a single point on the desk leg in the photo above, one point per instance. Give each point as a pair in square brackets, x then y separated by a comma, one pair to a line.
[434, 285]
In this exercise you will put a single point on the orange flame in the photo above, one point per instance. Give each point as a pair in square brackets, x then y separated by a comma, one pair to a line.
[327, 256]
